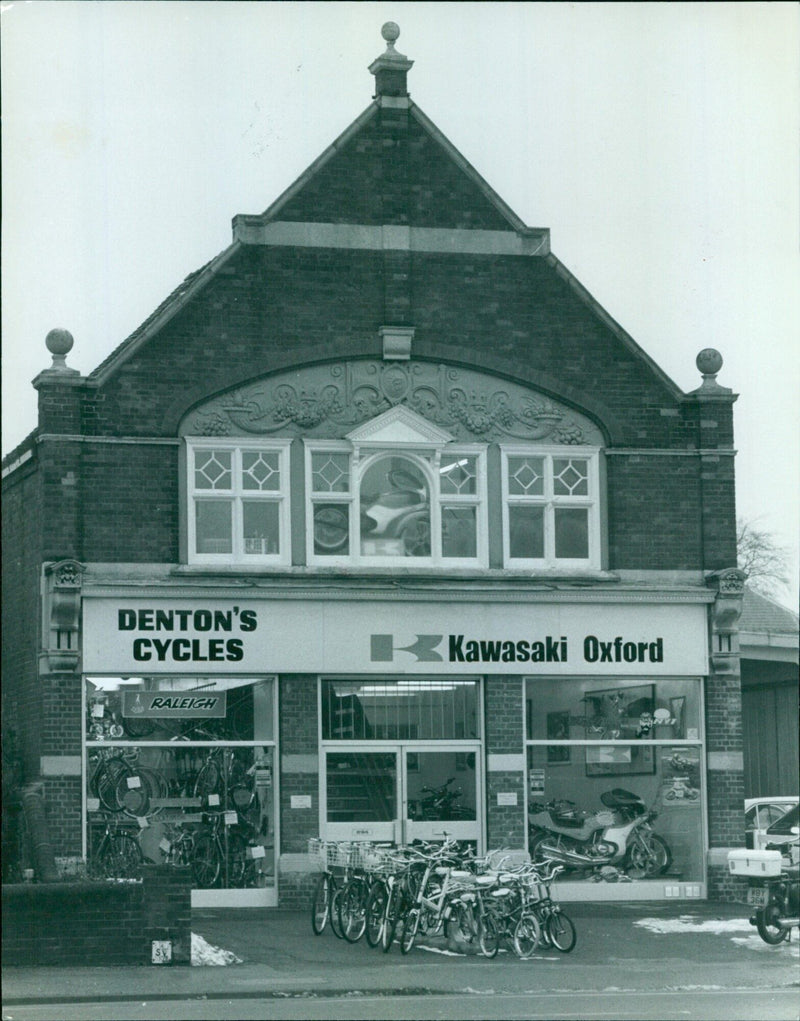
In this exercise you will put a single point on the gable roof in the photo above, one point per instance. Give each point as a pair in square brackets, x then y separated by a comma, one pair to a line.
[492, 223]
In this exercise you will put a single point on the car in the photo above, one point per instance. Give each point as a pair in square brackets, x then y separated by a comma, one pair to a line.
[760, 814]
[785, 835]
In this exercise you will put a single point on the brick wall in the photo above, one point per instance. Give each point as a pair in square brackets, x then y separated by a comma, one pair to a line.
[106, 924]
[21, 538]
[504, 714]
[299, 737]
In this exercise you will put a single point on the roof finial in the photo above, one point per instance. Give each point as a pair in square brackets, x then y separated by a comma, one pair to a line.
[391, 67]
[390, 32]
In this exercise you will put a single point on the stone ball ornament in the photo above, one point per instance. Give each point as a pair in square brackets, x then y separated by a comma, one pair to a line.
[390, 32]
[59, 342]
[709, 361]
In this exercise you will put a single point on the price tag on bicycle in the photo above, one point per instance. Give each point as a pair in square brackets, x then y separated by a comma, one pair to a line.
[93, 804]
[134, 782]
[213, 800]
[165, 845]
[231, 818]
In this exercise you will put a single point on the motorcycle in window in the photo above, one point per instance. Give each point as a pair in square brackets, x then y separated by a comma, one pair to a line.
[622, 836]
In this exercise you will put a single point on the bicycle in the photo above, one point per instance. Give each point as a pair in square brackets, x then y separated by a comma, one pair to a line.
[329, 886]
[430, 902]
[117, 855]
[220, 854]
[557, 928]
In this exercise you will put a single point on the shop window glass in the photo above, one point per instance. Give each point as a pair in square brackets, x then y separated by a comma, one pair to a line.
[390, 710]
[165, 784]
[624, 754]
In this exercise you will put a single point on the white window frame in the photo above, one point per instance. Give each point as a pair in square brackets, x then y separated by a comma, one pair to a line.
[549, 501]
[427, 461]
[237, 494]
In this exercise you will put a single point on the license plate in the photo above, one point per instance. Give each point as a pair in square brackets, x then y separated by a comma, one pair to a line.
[758, 896]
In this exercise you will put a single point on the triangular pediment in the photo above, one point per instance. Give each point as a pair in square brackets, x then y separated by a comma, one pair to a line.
[399, 425]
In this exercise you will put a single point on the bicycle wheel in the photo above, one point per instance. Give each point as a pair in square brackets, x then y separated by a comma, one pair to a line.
[461, 923]
[133, 795]
[321, 904]
[409, 927]
[393, 906]
[206, 861]
[561, 931]
[526, 936]
[353, 909]
[238, 865]
[488, 936]
[105, 782]
[376, 912]
[208, 780]
[336, 928]
[121, 857]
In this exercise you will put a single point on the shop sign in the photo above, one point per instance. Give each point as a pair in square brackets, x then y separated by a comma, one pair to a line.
[164, 636]
[184, 705]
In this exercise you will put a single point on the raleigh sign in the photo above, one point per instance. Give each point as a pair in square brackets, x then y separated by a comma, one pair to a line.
[158, 636]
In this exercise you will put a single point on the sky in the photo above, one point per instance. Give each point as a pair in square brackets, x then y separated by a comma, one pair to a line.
[658, 142]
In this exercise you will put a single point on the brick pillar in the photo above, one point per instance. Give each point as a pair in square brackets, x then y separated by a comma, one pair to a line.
[299, 776]
[505, 761]
[724, 739]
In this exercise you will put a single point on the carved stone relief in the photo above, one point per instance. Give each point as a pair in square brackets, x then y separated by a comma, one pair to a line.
[328, 401]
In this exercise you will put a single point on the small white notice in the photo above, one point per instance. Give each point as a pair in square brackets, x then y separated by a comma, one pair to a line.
[301, 801]
[507, 798]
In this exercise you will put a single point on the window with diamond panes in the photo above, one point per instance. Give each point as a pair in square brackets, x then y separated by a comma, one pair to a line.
[551, 508]
[239, 502]
[394, 504]
[330, 487]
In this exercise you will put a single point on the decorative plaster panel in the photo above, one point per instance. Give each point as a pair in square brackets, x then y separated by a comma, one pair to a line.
[329, 400]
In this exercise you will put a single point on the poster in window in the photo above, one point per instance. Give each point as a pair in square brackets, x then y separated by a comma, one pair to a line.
[620, 714]
[558, 730]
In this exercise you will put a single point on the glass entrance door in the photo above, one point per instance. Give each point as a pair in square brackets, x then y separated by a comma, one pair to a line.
[441, 796]
[402, 793]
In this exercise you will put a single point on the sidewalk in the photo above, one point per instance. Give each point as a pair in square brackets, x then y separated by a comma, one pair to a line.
[641, 946]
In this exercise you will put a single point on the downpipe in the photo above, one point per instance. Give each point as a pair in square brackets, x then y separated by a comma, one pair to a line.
[39, 832]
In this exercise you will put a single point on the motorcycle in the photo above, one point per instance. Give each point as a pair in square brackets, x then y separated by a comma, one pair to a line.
[622, 836]
[439, 804]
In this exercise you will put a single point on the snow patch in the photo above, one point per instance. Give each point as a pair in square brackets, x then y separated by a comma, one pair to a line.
[204, 953]
[690, 923]
[439, 950]
[755, 942]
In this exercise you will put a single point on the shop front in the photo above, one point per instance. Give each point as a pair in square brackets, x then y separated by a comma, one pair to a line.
[510, 721]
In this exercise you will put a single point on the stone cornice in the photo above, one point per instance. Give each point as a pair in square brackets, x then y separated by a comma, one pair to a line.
[253, 230]
[113, 581]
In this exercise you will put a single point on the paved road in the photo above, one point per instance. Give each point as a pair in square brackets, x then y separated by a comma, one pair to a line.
[683, 1005]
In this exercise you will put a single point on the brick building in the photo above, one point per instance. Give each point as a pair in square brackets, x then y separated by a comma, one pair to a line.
[378, 501]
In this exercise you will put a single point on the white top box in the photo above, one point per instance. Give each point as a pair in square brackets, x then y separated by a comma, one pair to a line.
[755, 863]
